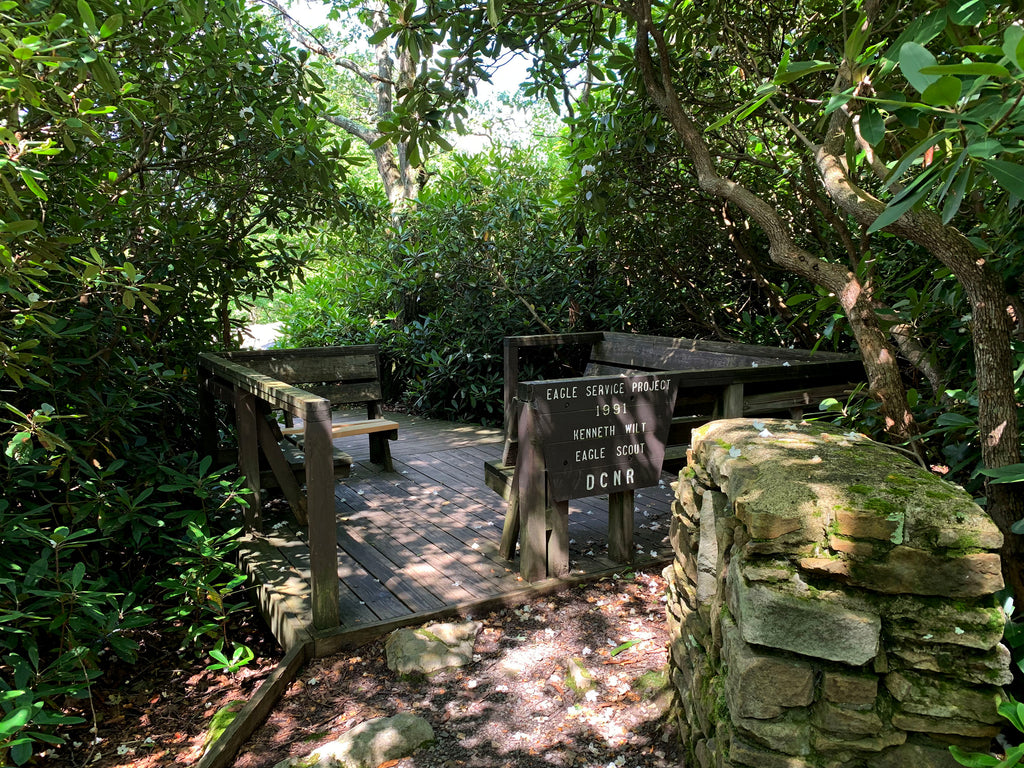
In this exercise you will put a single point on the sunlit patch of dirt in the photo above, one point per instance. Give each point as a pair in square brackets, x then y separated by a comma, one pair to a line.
[515, 705]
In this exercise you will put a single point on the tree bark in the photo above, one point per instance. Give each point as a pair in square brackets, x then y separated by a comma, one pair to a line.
[880, 364]
[992, 328]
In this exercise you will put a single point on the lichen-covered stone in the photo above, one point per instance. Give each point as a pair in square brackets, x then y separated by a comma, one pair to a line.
[829, 744]
[864, 488]
[762, 685]
[835, 568]
[369, 744]
[928, 695]
[431, 648]
[944, 621]
[742, 752]
[847, 722]
[840, 565]
[852, 691]
[852, 548]
[777, 570]
[788, 734]
[943, 725]
[907, 570]
[813, 623]
[991, 668]
[916, 754]
[712, 505]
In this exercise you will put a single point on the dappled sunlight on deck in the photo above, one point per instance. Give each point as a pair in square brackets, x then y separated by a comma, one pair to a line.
[422, 541]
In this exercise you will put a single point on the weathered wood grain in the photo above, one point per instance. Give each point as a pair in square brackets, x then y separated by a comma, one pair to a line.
[422, 542]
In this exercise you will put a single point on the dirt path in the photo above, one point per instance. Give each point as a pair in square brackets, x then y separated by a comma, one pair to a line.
[514, 706]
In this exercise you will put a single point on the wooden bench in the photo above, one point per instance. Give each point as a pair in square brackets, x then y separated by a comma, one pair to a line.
[718, 380]
[723, 380]
[340, 375]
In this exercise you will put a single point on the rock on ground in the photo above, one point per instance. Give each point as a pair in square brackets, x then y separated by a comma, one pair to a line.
[369, 744]
[432, 647]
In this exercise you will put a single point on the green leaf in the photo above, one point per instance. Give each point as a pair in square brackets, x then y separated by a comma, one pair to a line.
[966, 13]
[23, 53]
[985, 149]
[33, 185]
[952, 204]
[911, 196]
[380, 36]
[1010, 176]
[1011, 473]
[969, 69]
[800, 68]
[87, 16]
[77, 574]
[972, 759]
[1013, 45]
[19, 227]
[951, 419]
[872, 125]
[15, 721]
[944, 92]
[494, 8]
[838, 100]
[855, 42]
[913, 58]
[912, 154]
[624, 647]
[1013, 756]
[111, 25]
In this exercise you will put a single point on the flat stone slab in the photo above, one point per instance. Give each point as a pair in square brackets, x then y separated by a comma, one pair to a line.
[818, 624]
[431, 648]
[887, 524]
[369, 744]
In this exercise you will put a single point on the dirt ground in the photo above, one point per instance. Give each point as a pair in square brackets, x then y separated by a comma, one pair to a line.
[515, 705]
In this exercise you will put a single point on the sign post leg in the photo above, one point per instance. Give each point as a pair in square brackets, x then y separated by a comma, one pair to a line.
[620, 527]
[558, 536]
[510, 530]
[533, 531]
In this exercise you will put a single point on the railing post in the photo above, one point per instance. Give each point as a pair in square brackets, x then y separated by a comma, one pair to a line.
[208, 432]
[620, 526]
[732, 401]
[323, 536]
[511, 351]
[249, 456]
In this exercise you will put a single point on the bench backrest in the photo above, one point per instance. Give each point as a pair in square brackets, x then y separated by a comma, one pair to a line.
[623, 353]
[339, 374]
[774, 381]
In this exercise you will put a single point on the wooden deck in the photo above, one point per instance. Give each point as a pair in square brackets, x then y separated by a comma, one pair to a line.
[422, 542]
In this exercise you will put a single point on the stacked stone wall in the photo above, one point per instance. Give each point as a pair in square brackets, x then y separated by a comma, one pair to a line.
[831, 604]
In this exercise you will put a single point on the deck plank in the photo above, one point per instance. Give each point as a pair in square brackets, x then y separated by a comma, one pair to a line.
[423, 540]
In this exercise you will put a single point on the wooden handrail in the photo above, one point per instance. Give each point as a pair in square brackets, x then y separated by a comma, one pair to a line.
[251, 388]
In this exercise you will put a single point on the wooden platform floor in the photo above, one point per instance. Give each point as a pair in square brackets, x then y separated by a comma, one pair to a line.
[422, 542]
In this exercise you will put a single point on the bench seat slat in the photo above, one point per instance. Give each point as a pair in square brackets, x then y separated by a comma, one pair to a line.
[345, 429]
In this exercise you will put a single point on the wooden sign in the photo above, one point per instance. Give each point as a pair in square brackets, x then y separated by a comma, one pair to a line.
[602, 435]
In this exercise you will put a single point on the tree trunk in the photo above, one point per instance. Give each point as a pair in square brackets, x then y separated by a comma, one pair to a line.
[855, 298]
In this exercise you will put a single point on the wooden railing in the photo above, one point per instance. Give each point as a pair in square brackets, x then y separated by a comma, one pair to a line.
[710, 380]
[252, 395]
[722, 379]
